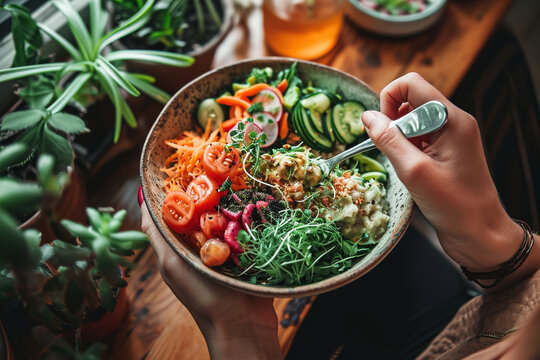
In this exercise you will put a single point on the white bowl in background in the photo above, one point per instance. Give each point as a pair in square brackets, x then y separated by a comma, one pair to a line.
[394, 25]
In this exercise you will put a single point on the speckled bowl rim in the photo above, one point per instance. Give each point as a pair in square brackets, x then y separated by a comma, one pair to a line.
[429, 11]
[325, 285]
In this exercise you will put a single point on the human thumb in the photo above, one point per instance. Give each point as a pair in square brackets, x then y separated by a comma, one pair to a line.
[389, 139]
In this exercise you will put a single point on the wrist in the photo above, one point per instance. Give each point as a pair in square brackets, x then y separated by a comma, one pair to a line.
[485, 243]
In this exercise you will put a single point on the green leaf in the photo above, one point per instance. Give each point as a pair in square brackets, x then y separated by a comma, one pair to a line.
[98, 20]
[107, 298]
[65, 254]
[56, 145]
[32, 238]
[68, 123]
[111, 71]
[95, 218]
[17, 196]
[82, 232]
[15, 154]
[116, 221]
[22, 119]
[213, 12]
[130, 239]
[31, 70]
[62, 41]
[45, 167]
[38, 92]
[77, 27]
[69, 92]
[12, 245]
[131, 25]
[144, 85]
[151, 56]
[113, 93]
[24, 31]
[127, 114]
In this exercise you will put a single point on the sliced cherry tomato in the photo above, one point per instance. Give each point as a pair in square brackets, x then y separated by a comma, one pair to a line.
[214, 252]
[218, 163]
[177, 209]
[213, 224]
[204, 192]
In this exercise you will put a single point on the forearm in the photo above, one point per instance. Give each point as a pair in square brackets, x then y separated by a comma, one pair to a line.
[242, 341]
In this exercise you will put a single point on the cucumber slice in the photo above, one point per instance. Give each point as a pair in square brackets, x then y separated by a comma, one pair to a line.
[318, 102]
[347, 121]
[210, 110]
[327, 125]
[376, 175]
[369, 164]
[291, 97]
[306, 131]
[315, 119]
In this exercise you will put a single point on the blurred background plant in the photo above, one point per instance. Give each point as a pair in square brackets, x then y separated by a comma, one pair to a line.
[175, 25]
[65, 283]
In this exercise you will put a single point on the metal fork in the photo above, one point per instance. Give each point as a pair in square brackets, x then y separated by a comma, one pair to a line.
[423, 120]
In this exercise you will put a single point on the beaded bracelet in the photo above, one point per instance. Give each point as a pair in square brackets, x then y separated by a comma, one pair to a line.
[508, 267]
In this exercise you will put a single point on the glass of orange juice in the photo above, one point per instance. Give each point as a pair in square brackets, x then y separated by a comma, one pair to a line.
[303, 29]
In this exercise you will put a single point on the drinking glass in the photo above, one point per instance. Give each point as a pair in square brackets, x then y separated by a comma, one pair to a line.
[303, 29]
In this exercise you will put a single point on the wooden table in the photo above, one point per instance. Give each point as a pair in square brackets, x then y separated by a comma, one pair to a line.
[159, 327]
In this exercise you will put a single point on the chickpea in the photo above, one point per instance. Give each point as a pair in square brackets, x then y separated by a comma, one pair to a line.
[214, 252]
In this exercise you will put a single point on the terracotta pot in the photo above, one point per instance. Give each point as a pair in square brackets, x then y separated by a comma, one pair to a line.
[109, 323]
[71, 205]
[171, 78]
[5, 348]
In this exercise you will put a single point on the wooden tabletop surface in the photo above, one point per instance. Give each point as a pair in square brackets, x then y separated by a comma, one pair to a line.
[159, 327]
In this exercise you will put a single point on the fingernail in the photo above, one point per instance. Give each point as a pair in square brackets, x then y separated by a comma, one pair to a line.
[368, 117]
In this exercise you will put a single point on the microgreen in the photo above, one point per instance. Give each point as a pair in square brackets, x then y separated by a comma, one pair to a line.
[297, 248]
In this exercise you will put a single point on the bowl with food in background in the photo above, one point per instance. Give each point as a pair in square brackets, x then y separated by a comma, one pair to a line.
[395, 18]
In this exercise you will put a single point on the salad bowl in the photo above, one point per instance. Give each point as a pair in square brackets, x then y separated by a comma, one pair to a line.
[179, 114]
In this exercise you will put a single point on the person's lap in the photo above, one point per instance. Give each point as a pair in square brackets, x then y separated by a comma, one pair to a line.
[393, 312]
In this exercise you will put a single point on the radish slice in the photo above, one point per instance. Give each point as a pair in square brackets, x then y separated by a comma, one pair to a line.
[249, 127]
[269, 126]
[260, 206]
[270, 102]
[230, 236]
[232, 215]
[246, 215]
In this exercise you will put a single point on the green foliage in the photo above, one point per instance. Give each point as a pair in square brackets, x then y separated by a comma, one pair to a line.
[168, 20]
[91, 65]
[38, 134]
[66, 280]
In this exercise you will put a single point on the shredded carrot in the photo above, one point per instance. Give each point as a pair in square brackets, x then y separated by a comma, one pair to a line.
[282, 86]
[252, 90]
[231, 112]
[229, 124]
[284, 126]
[232, 101]
[185, 163]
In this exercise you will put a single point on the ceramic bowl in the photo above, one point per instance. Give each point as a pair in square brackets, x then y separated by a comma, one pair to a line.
[394, 25]
[178, 115]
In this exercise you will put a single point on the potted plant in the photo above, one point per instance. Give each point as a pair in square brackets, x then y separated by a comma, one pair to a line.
[74, 281]
[194, 27]
[42, 122]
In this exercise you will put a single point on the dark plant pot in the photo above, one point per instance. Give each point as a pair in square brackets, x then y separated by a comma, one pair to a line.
[171, 78]
[71, 205]
[5, 348]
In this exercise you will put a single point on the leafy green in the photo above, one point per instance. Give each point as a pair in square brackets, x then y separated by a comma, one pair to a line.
[297, 248]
